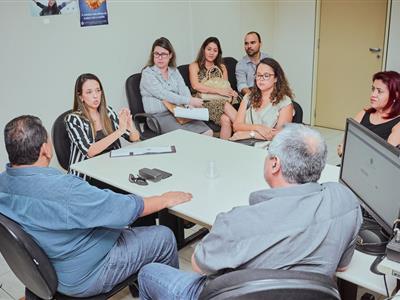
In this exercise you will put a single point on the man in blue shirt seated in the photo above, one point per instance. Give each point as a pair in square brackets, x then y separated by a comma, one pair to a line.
[246, 67]
[81, 228]
[296, 224]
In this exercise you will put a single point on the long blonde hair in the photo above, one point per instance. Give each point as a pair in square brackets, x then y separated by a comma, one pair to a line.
[80, 108]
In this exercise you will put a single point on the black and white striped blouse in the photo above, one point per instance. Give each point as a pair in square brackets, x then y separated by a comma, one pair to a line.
[81, 136]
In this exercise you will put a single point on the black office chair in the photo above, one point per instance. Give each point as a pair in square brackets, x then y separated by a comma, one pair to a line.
[270, 285]
[230, 64]
[184, 70]
[140, 118]
[32, 266]
[298, 113]
[61, 141]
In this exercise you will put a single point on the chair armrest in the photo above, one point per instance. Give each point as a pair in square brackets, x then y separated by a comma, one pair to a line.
[142, 118]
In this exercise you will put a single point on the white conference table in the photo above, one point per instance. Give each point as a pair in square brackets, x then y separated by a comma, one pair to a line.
[239, 172]
[239, 168]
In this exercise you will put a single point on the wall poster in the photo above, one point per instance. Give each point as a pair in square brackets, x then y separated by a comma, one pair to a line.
[93, 12]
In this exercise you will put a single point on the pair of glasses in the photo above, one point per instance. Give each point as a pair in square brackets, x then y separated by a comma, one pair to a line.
[138, 180]
[264, 76]
[160, 55]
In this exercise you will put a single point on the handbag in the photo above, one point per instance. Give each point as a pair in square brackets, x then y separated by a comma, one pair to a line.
[213, 102]
[171, 107]
[214, 79]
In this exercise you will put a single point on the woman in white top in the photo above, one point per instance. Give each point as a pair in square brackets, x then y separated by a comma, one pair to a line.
[268, 107]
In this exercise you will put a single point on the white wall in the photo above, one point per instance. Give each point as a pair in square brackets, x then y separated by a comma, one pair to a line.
[293, 42]
[39, 62]
[393, 57]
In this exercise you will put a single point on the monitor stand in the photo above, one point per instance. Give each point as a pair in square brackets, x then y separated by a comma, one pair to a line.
[371, 238]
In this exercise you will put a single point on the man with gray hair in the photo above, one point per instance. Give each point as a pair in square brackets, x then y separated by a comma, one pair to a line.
[296, 224]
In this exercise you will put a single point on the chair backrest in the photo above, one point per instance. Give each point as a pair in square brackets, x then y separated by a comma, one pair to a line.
[26, 259]
[132, 88]
[184, 70]
[61, 140]
[298, 113]
[230, 64]
[270, 284]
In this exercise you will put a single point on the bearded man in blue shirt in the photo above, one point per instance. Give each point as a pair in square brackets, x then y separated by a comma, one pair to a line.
[83, 230]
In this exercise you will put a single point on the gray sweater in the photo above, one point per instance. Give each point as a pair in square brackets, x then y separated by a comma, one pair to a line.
[154, 88]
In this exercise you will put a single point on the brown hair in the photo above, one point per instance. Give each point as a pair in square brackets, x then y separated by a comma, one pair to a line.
[80, 107]
[201, 60]
[281, 87]
[166, 44]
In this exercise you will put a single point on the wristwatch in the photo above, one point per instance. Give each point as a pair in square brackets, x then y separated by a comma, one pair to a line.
[252, 134]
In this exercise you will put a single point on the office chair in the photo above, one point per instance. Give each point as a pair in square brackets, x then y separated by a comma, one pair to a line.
[184, 70]
[270, 285]
[32, 266]
[298, 113]
[61, 141]
[230, 64]
[140, 118]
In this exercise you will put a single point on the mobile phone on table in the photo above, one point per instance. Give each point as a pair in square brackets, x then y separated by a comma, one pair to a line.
[150, 174]
[163, 173]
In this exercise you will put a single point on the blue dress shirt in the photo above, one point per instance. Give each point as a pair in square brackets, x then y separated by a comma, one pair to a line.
[75, 223]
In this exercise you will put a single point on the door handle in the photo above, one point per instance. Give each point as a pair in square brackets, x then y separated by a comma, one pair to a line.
[375, 50]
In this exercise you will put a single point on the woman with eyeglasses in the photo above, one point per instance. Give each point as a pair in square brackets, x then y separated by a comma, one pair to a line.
[382, 117]
[160, 81]
[209, 65]
[268, 107]
[93, 127]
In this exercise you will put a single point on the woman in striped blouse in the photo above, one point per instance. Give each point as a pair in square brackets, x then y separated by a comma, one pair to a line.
[93, 127]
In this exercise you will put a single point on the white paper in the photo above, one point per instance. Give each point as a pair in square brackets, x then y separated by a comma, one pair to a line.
[140, 151]
[192, 113]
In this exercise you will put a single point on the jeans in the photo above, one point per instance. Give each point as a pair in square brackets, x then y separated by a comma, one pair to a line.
[158, 281]
[135, 248]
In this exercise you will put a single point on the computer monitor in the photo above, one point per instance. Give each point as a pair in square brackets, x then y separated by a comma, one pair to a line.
[371, 169]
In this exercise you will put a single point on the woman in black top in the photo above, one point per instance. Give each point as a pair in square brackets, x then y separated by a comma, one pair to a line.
[93, 127]
[383, 115]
